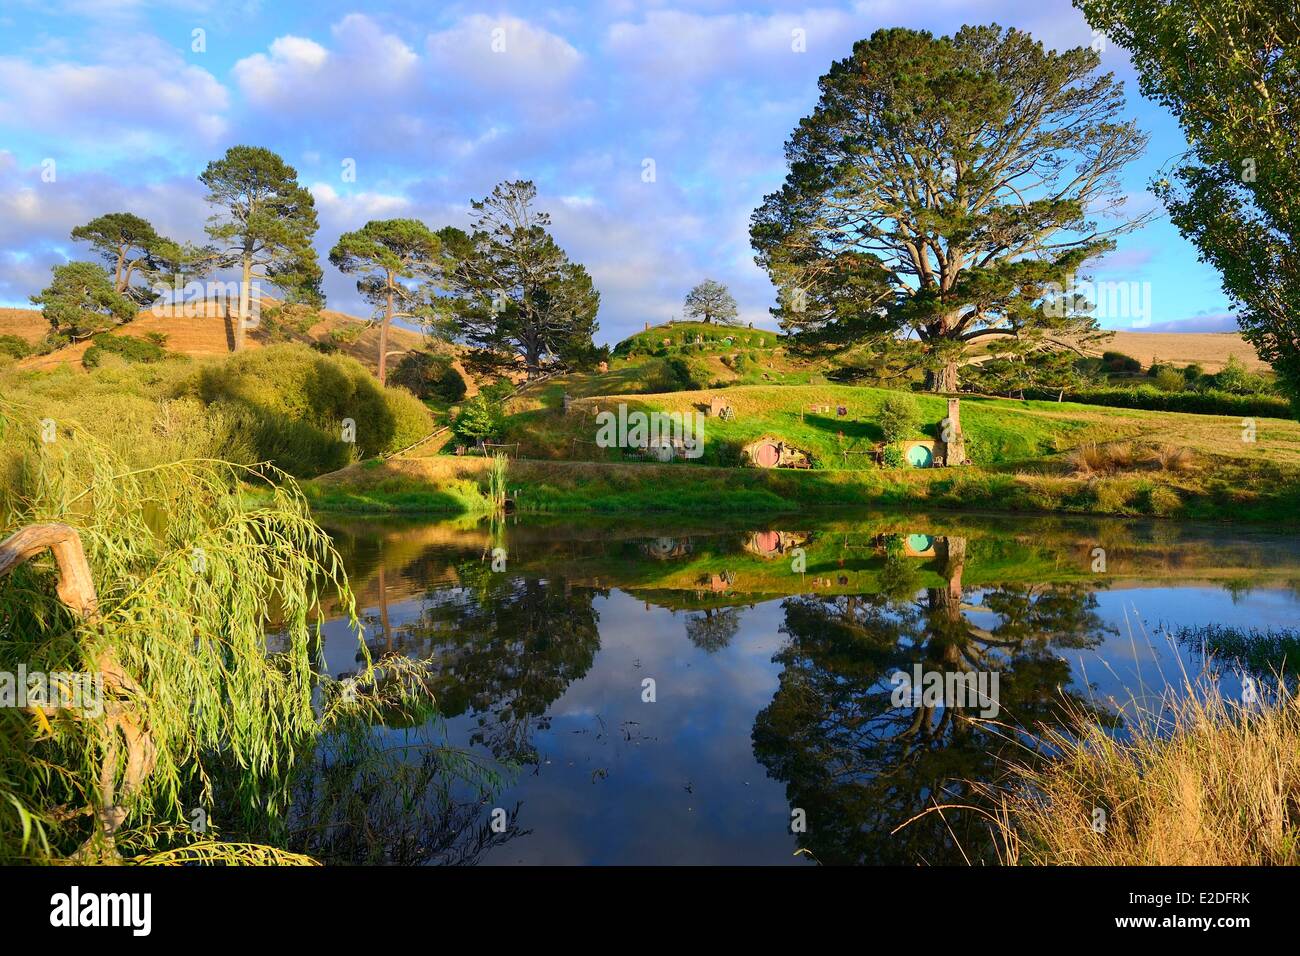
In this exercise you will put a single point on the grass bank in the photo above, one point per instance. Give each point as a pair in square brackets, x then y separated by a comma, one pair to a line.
[1235, 489]
[1199, 781]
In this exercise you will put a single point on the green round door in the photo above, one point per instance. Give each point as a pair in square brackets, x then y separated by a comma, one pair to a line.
[920, 543]
[919, 456]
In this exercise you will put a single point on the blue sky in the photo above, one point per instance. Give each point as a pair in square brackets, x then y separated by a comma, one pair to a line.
[130, 106]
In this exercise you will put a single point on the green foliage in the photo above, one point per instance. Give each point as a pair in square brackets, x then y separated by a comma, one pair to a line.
[263, 223]
[81, 301]
[1230, 73]
[908, 176]
[389, 255]
[132, 249]
[710, 301]
[293, 403]
[479, 419]
[1119, 363]
[891, 456]
[513, 292]
[678, 375]
[899, 417]
[1234, 379]
[1208, 402]
[126, 347]
[1170, 379]
[429, 376]
[227, 718]
[15, 346]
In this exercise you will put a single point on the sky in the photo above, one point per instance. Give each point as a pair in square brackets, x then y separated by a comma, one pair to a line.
[122, 103]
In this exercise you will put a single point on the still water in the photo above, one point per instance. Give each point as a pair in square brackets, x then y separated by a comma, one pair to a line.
[684, 693]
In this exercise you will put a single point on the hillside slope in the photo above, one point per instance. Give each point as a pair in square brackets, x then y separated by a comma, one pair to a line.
[209, 334]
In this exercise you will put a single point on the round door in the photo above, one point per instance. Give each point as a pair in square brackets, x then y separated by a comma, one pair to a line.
[920, 456]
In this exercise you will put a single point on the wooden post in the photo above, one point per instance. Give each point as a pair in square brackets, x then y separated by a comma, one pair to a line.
[954, 452]
[76, 589]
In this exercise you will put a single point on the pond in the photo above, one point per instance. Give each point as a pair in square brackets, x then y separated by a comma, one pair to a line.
[673, 692]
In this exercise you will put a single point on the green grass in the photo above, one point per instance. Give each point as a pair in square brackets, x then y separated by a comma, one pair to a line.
[684, 334]
[997, 431]
[1239, 491]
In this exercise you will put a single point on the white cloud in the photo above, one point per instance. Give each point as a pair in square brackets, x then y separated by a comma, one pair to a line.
[299, 72]
[351, 210]
[114, 100]
[502, 55]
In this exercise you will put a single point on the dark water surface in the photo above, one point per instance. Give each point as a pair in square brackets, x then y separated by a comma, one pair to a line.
[772, 650]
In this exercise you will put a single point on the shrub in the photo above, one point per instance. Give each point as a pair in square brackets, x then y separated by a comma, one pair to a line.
[429, 376]
[1210, 402]
[899, 417]
[891, 456]
[679, 376]
[1235, 380]
[479, 419]
[1120, 363]
[126, 347]
[294, 403]
[1169, 379]
[14, 346]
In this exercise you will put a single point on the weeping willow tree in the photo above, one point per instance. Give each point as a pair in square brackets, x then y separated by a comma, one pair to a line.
[190, 571]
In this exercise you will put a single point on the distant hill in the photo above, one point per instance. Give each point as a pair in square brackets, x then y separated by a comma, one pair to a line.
[1209, 349]
[209, 334]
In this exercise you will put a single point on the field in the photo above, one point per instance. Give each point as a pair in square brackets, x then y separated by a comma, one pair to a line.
[209, 335]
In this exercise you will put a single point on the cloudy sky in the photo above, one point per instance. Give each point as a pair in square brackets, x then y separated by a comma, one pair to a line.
[130, 99]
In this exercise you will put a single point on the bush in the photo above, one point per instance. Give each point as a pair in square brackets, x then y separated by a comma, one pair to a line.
[891, 456]
[14, 346]
[479, 419]
[679, 376]
[1120, 363]
[429, 376]
[899, 417]
[295, 403]
[1202, 403]
[1169, 379]
[1235, 380]
[126, 347]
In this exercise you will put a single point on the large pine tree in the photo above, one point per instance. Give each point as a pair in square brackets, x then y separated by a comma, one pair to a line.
[946, 191]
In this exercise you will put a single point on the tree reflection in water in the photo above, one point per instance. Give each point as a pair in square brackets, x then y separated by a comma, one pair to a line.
[504, 648]
[858, 766]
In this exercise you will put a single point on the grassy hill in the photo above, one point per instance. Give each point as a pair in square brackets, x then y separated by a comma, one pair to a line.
[208, 334]
[1000, 432]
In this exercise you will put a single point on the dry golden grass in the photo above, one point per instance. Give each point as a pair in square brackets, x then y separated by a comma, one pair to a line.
[1109, 458]
[208, 334]
[1208, 349]
[1200, 782]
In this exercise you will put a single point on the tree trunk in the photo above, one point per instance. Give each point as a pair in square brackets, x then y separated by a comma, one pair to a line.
[943, 380]
[117, 274]
[383, 334]
[245, 297]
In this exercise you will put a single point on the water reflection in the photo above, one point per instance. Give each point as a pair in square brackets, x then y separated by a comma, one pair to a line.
[779, 702]
[858, 764]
